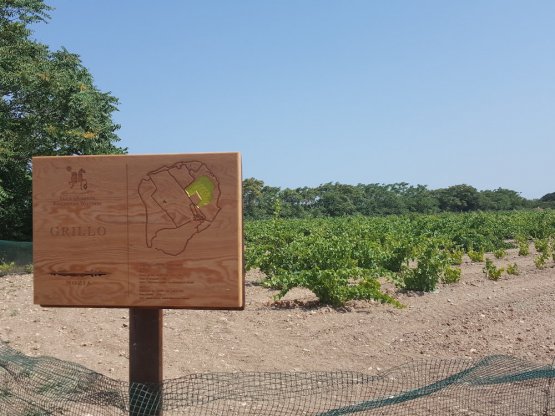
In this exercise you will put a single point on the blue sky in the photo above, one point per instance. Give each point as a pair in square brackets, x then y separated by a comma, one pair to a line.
[426, 92]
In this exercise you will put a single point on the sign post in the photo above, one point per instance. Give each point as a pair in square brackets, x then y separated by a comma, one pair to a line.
[144, 232]
[145, 362]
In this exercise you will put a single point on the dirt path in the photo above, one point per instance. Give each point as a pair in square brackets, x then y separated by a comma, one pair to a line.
[472, 319]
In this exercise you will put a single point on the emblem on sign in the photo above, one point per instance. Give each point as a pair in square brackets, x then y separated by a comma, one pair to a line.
[76, 178]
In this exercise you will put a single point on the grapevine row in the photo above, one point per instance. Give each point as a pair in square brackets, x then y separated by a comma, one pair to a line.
[340, 259]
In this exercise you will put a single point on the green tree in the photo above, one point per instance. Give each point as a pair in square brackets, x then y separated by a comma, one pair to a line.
[49, 106]
[548, 200]
[252, 192]
[501, 200]
[550, 197]
[420, 199]
[458, 198]
[381, 199]
[292, 203]
[337, 200]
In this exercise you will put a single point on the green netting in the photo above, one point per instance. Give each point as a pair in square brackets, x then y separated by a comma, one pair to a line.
[18, 252]
[496, 385]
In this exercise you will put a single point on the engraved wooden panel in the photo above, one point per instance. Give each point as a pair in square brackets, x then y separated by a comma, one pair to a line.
[158, 231]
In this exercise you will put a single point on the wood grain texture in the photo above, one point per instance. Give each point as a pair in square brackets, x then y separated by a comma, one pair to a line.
[153, 231]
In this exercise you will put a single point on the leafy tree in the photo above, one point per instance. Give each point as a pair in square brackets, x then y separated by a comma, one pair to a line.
[458, 198]
[501, 200]
[550, 197]
[292, 203]
[270, 202]
[252, 192]
[381, 199]
[420, 199]
[300, 202]
[49, 106]
[337, 199]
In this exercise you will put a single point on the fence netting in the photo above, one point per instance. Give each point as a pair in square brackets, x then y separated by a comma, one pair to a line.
[18, 252]
[495, 385]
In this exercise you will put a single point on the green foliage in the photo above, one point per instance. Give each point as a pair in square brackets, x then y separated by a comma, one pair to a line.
[476, 256]
[13, 268]
[342, 258]
[550, 197]
[456, 256]
[523, 246]
[451, 275]
[318, 258]
[540, 261]
[340, 200]
[544, 248]
[492, 272]
[543, 225]
[500, 200]
[458, 198]
[252, 191]
[500, 253]
[512, 269]
[333, 287]
[543, 245]
[49, 105]
[396, 256]
[7, 268]
[431, 264]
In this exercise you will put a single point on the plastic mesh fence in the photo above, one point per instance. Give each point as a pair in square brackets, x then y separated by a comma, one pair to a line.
[496, 385]
[18, 252]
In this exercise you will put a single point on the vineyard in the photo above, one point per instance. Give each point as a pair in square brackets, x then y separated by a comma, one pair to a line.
[341, 259]
[484, 345]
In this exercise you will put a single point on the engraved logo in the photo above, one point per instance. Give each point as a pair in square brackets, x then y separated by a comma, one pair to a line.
[76, 178]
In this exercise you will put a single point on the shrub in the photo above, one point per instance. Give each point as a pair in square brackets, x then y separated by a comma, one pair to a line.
[492, 272]
[512, 269]
[523, 246]
[451, 275]
[431, 264]
[456, 257]
[544, 247]
[7, 268]
[540, 260]
[332, 287]
[476, 256]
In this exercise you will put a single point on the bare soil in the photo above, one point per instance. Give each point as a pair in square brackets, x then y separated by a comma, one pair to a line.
[470, 319]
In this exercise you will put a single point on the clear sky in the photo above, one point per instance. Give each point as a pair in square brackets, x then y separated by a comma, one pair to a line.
[437, 93]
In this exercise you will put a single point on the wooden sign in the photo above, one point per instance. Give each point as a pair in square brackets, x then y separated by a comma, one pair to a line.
[156, 231]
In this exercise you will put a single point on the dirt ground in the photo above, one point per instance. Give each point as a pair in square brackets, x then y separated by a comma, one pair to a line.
[473, 318]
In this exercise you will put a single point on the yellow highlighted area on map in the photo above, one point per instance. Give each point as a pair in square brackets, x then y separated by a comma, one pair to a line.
[203, 189]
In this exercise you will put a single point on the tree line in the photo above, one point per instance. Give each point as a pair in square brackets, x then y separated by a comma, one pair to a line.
[261, 201]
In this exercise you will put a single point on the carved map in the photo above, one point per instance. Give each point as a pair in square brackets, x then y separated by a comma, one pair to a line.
[180, 201]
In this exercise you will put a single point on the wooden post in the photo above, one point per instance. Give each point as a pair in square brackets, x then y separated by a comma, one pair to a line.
[145, 362]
